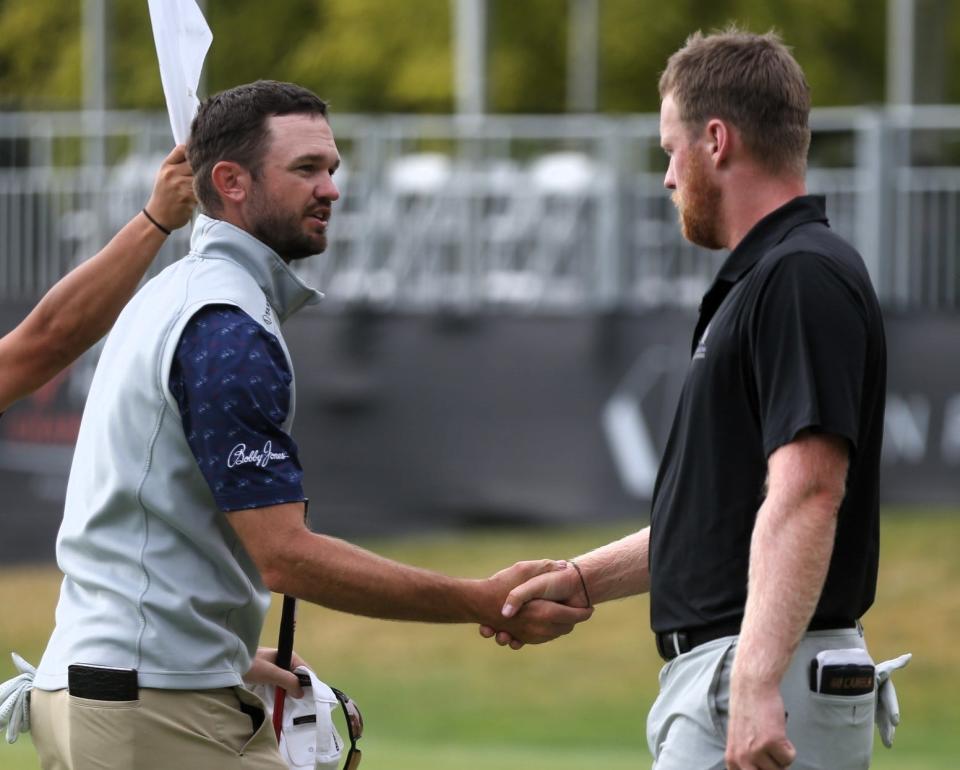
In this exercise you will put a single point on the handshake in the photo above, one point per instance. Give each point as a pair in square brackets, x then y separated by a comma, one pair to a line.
[533, 602]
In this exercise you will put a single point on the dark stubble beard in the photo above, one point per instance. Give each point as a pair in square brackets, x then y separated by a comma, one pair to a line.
[699, 206]
[283, 231]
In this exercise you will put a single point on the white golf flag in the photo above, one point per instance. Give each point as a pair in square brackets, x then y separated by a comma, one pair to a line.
[183, 38]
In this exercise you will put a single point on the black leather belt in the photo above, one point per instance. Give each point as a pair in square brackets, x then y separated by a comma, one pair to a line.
[670, 644]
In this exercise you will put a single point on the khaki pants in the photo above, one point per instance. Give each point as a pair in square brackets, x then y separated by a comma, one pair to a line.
[163, 730]
[687, 726]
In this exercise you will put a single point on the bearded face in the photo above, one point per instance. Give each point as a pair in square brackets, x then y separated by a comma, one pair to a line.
[280, 225]
[697, 198]
[290, 198]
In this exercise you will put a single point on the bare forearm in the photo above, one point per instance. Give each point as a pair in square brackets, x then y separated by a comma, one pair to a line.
[336, 574]
[76, 312]
[789, 556]
[618, 569]
[83, 305]
[613, 571]
[342, 576]
[790, 552]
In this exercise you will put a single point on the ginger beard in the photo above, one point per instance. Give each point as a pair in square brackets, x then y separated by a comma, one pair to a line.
[698, 203]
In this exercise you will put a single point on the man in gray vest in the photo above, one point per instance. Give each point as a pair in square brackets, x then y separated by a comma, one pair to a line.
[185, 505]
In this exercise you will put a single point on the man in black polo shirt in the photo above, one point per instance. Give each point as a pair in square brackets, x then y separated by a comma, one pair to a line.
[763, 545]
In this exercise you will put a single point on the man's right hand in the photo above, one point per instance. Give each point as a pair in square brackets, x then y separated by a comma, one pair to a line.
[546, 593]
[172, 200]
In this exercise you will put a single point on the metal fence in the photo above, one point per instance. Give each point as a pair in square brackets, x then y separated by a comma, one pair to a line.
[525, 213]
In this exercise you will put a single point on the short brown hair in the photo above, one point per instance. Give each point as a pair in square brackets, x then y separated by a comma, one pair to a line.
[753, 82]
[232, 125]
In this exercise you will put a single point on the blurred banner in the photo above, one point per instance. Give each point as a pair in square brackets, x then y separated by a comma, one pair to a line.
[417, 422]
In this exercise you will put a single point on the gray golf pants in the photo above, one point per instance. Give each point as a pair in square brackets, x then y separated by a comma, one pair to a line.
[687, 726]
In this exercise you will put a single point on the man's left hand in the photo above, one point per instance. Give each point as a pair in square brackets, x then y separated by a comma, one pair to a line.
[264, 670]
[757, 730]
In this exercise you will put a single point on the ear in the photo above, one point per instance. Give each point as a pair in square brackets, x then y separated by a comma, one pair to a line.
[719, 140]
[231, 180]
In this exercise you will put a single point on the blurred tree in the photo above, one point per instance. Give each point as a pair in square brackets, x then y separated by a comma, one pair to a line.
[40, 54]
[376, 55]
[251, 39]
[840, 45]
[394, 55]
[528, 53]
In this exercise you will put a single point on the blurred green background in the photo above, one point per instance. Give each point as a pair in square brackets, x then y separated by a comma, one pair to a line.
[442, 697]
[396, 56]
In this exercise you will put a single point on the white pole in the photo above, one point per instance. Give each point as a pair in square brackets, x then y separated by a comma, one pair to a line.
[95, 78]
[901, 53]
[94, 55]
[94, 104]
[583, 55]
[470, 56]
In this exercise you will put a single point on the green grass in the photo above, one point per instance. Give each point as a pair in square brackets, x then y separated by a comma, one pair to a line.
[442, 697]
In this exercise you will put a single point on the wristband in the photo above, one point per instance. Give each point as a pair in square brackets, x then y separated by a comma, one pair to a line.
[582, 583]
[156, 224]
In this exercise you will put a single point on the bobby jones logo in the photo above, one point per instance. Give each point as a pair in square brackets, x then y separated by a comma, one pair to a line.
[259, 457]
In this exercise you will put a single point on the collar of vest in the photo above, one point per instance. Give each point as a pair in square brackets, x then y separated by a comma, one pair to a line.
[214, 238]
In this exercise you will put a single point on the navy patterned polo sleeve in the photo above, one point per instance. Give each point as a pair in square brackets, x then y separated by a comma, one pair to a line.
[232, 383]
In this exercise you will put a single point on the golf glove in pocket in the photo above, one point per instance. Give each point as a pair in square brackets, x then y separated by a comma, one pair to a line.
[15, 700]
[888, 707]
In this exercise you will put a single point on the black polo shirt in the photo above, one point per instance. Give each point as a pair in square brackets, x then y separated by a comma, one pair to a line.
[789, 338]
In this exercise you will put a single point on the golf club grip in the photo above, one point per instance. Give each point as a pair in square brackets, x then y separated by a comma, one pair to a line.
[288, 625]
